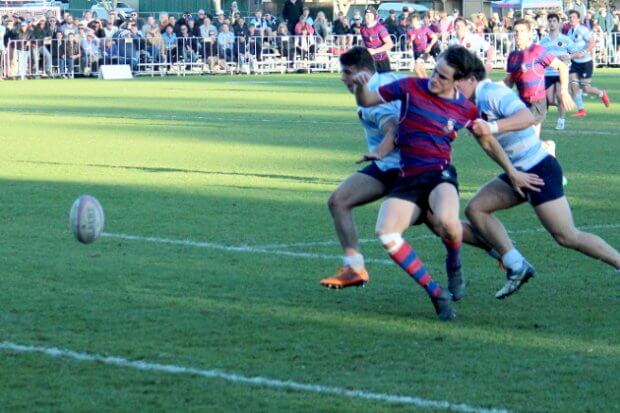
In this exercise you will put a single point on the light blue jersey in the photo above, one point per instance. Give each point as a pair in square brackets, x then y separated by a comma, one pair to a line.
[580, 36]
[559, 46]
[496, 101]
[374, 118]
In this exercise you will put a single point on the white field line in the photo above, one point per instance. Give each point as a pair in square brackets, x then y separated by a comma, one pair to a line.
[271, 249]
[421, 237]
[241, 379]
[232, 248]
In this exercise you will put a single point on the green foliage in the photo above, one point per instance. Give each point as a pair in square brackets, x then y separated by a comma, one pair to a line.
[251, 161]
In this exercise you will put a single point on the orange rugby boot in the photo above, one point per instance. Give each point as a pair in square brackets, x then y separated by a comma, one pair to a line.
[346, 277]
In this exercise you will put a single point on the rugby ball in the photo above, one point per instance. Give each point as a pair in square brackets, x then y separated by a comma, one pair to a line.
[86, 219]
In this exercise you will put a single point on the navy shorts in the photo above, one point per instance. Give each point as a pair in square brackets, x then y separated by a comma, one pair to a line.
[418, 54]
[417, 188]
[550, 171]
[551, 80]
[387, 178]
[538, 109]
[383, 66]
[584, 70]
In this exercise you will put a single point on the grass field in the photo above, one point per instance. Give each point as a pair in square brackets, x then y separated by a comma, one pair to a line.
[215, 195]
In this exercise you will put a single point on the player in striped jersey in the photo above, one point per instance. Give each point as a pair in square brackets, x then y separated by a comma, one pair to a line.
[377, 40]
[433, 113]
[508, 119]
[559, 45]
[582, 67]
[526, 69]
[370, 183]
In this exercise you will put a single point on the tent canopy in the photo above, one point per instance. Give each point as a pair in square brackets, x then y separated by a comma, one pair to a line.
[528, 4]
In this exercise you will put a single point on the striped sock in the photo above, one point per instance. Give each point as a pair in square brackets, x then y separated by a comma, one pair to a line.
[403, 255]
[453, 254]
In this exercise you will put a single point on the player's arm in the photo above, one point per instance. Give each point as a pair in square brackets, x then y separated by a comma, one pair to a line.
[565, 98]
[508, 81]
[519, 121]
[433, 41]
[386, 47]
[520, 180]
[363, 95]
[386, 146]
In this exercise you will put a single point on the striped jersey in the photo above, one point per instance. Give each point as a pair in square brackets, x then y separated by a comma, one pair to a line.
[580, 36]
[420, 37]
[497, 101]
[429, 125]
[373, 39]
[527, 69]
[559, 46]
[375, 117]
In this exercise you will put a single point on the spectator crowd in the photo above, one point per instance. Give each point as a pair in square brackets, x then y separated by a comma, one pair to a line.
[50, 46]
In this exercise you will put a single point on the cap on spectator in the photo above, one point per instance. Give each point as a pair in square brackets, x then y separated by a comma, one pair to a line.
[201, 11]
[406, 9]
[370, 10]
[530, 12]
[392, 11]
[219, 12]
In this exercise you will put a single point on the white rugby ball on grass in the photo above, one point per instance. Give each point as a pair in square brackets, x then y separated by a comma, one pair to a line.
[86, 219]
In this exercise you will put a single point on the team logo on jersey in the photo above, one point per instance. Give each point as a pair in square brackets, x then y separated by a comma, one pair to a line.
[445, 174]
[450, 125]
[468, 45]
[560, 44]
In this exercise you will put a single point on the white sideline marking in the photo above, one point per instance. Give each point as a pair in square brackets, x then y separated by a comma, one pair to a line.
[238, 378]
[232, 248]
[271, 249]
[374, 240]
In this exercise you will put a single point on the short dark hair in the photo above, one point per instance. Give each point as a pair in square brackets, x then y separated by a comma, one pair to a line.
[553, 16]
[574, 12]
[523, 22]
[460, 19]
[464, 63]
[359, 57]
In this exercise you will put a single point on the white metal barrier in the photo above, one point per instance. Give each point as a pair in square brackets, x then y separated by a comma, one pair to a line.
[69, 57]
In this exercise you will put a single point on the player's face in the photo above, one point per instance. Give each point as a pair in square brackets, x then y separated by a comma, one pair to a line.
[523, 36]
[574, 19]
[369, 18]
[460, 28]
[553, 24]
[347, 77]
[441, 81]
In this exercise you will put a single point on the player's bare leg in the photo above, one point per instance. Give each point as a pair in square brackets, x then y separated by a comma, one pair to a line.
[557, 218]
[395, 216]
[358, 189]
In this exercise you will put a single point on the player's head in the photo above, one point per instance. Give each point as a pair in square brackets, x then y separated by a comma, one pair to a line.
[523, 33]
[575, 17]
[370, 15]
[460, 27]
[463, 67]
[553, 21]
[354, 61]
[414, 18]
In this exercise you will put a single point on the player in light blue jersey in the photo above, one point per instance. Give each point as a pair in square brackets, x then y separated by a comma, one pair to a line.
[508, 119]
[370, 183]
[582, 67]
[559, 45]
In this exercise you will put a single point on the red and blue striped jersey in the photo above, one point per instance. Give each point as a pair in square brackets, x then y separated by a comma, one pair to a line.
[373, 39]
[420, 37]
[527, 69]
[429, 124]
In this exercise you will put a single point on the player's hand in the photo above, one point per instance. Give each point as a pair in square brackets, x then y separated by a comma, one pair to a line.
[522, 180]
[369, 157]
[361, 78]
[566, 101]
[481, 128]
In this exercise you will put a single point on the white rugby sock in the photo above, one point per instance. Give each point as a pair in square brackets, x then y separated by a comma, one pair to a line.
[513, 259]
[355, 261]
[391, 242]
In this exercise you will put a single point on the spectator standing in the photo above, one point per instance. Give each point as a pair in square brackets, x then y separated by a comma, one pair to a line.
[290, 13]
[391, 22]
[580, 7]
[206, 28]
[321, 27]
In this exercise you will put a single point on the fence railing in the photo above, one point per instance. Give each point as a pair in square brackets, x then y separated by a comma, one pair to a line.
[196, 55]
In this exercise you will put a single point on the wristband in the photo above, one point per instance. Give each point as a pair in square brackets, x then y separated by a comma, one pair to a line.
[494, 127]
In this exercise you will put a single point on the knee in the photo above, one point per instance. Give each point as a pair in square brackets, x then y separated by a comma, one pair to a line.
[337, 202]
[451, 226]
[567, 238]
[471, 212]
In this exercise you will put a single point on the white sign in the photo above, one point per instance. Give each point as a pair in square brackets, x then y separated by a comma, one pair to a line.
[115, 72]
